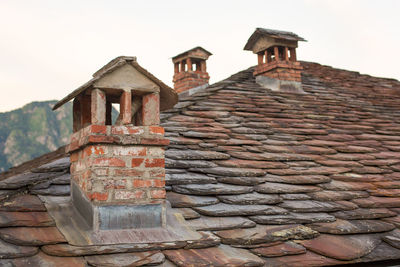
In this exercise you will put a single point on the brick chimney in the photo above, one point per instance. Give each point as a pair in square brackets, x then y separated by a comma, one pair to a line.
[277, 68]
[190, 69]
[117, 171]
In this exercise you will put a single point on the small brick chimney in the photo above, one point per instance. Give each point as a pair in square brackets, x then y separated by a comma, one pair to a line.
[277, 68]
[190, 69]
[117, 171]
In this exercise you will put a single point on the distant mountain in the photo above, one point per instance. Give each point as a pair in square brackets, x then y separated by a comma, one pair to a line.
[33, 130]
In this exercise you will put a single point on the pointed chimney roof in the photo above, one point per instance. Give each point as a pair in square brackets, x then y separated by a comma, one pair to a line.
[168, 97]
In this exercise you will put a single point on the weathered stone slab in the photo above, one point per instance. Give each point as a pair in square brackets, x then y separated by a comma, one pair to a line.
[293, 218]
[287, 248]
[220, 223]
[393, 220]
[64, 179]
[312, 206]
[298, 179]
[269, 156]
[348, 247]
[382, 252]
[6, 194]
[212, 189]
[307, 259]
[127, 259]
[210, 135]
[53, 190]
[258, 164]
[187, 213]
[251, 199]
[264, 234]
[341, 227]
[188, 201]
[385, 192]
[221, 256]
[10, 218]
[10, 251]
[346, 186]
[188, 178]
[393, 238]
[194, 154]
[364, 214]
[279, 188]
[241, 180]
[237, 172]
[21, 180]
[208, 240]
[58, 165]
[23, 203]
[309, 171]
[66, 250]
[378, 202]
[327, 195]
[42, 259]
[295, 196]
[31, 236]
[223, 209]
[186, 164]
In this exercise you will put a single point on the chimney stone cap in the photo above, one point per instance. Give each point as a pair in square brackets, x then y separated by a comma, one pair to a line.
[168, 97]
[196, 52]
[274, 36]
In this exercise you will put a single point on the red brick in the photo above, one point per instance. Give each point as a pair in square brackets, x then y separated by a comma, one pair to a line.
[139, 194]
[98, 129]
[128, 172]
[97, 150]
[137, 162]
[142, 183]
[150, 163]
[160, 193]
[101, 139]
[129, 151]
[158, 183]
[154, 141]
[156, 130]
[115, 184]
[74, 157]
[98, 196]
[157, 173]
[109, 162]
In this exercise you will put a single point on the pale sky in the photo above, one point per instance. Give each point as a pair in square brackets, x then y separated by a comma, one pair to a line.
[49, 48]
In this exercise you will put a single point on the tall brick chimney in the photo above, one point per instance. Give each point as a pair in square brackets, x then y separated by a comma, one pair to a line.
[190, 69]
[117, 171]
[277, 68]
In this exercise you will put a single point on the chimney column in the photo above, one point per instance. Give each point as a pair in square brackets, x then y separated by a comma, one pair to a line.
[286, 53]
[276, 53]
[293, 54]
[260, 58]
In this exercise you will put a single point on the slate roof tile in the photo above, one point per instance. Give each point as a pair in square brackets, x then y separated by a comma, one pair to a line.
[205, 223]
[126, 259]
[341, 227]
[338, 247]
[216, 256]
[328, 159]
[287, 248]
[30, 236]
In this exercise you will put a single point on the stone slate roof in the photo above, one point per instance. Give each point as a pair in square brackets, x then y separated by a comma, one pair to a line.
[268, 178]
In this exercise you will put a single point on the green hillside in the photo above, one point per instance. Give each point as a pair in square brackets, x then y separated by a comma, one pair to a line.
[33, 130]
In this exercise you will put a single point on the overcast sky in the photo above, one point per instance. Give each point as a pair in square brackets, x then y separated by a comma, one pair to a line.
[49, 48]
